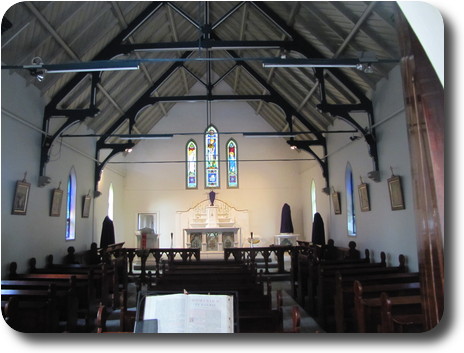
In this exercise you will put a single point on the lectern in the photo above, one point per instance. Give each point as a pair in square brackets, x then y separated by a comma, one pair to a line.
[147, 239]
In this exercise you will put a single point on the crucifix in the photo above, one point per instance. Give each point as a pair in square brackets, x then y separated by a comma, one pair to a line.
[212, 197]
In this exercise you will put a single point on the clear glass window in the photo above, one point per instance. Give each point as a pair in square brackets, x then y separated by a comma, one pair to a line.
[313, 198]
[111, 202]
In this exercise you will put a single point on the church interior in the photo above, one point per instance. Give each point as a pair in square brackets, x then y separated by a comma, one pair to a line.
[287, 154]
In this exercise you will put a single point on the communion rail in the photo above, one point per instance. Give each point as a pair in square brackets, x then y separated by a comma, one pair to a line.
[249, 255]
[252, 254]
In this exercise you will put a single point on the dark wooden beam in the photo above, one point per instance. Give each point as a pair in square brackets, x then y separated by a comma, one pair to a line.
[425, 112]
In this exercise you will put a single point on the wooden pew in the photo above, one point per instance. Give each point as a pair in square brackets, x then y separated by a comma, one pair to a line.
[126, 318]
[326, 285]
[309, 258]
[344, 312]
[30, 310]
[310, 278]
[368, 310]
[329, 268]
[64, 293]
[398, 322]
[89, 257]
[255, 307]
[250, 292]
[85, 289]
[102, 317]
[106, 277]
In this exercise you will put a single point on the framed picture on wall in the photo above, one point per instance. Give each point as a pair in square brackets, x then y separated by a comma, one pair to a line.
[336, 202]
[86, 206]
[57, 198]
[363, 192]
[396, 193]
[21, 197]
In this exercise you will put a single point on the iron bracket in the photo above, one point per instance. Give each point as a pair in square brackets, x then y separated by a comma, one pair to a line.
[323, 163]
[115, 149]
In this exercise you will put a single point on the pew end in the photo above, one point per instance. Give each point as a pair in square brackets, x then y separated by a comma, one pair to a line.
[398, 323]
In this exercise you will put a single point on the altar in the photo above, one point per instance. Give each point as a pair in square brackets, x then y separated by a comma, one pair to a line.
[212, 227]
[286, 239]
[212, 239]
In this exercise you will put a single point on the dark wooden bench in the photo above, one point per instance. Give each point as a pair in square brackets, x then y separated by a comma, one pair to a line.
[92, 256]
[127, 321]
[395, 283]
[106, 278]
[254, 298]
[85, 286]
[31, 310]
[398, 322]
[326, 286]
[308, 275]
[368, 310]
[64, 292]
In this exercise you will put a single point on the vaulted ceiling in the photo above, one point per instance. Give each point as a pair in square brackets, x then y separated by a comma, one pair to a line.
[180, 44]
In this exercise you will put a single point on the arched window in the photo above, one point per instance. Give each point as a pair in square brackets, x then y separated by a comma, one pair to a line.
[211, 157]
[191, 166]
[313, 197]
[111, 202]
[71, 206]
[350, 211]
[232, 164]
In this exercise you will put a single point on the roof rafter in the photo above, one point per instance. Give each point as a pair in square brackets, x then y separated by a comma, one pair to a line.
[307, 49]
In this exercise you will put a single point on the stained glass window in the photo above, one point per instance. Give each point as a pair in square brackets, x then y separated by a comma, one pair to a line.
[211, 157]
[350, 211]
[232, 166]
[71, 207]
[192, 177]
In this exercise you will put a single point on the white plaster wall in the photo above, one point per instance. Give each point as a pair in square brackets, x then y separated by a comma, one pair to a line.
[36, 234]
[428, 25]
[115, 177]
[314, 172]
[380, 229]
[264, 187]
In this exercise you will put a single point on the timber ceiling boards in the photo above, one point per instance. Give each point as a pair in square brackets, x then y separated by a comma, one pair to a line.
[62, 32]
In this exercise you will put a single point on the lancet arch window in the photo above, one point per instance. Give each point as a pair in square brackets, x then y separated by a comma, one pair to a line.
[350, 210]
[211, 157]
[232, 164]
[111, 202]
[313, 198]
[71, 206]
[192, 165]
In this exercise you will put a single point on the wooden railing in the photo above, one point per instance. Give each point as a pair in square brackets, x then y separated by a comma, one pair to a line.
[252, 254]
[249, 255]
[172, 254]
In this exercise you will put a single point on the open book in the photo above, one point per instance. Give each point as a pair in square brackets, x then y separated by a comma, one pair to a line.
[191, 313]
